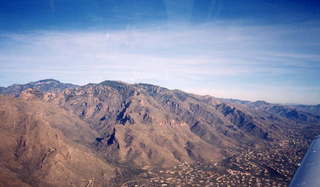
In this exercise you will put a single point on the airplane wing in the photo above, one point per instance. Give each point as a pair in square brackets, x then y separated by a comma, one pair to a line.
[308, 174]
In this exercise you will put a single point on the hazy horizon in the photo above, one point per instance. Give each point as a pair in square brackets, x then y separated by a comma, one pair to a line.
[249, 50]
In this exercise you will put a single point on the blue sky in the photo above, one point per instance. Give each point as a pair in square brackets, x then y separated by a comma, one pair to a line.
[253, 50]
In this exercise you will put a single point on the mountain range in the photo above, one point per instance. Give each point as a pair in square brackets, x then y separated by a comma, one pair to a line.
[118, 134]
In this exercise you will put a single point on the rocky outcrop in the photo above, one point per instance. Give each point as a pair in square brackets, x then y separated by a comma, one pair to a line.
[243, 121]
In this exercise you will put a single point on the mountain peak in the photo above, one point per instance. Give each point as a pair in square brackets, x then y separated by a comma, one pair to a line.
[48, 81]
[45, 85]
[113, 83]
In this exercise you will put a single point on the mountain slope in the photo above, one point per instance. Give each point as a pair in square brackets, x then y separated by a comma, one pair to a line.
[43, 145]
[149, 125]
[134, 127]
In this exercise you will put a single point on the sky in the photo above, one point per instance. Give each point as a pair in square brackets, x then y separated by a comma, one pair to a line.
[247, 49]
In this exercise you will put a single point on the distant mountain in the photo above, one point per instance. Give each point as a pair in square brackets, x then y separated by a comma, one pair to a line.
[47, 85]
[313, 109]
[124, 130]
[301, 113]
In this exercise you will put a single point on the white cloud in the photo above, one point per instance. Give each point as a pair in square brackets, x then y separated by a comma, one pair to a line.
[170, 56]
